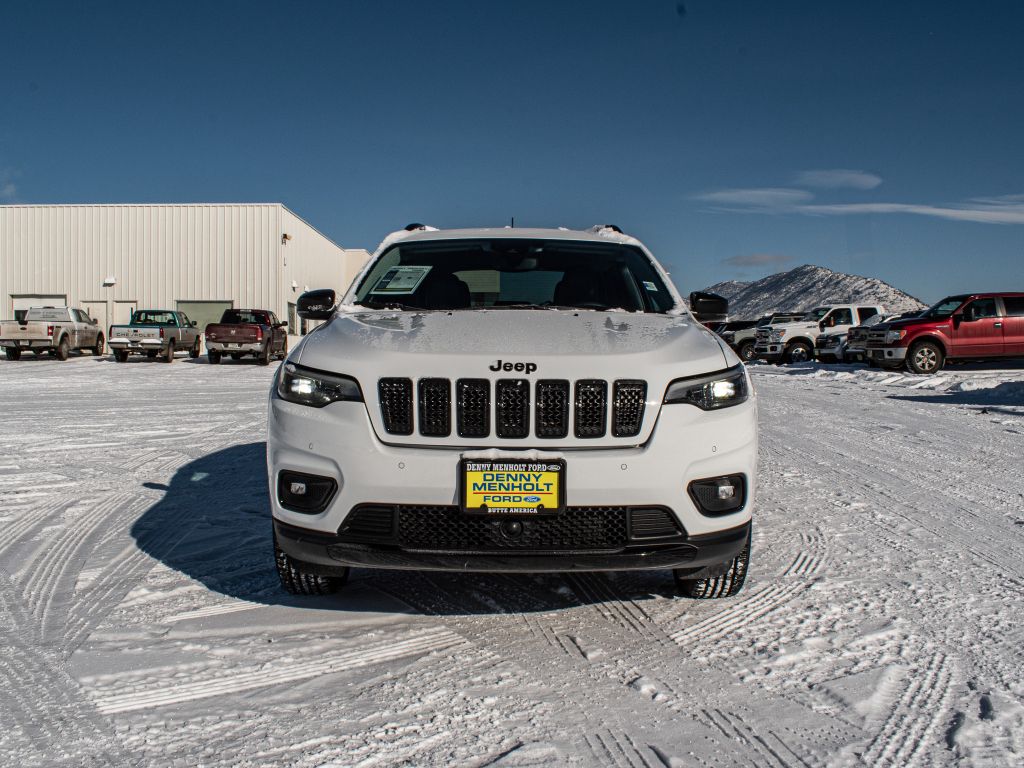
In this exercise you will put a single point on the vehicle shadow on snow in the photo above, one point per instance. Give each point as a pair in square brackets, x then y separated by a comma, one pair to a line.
[1007, 393]
[213, 525]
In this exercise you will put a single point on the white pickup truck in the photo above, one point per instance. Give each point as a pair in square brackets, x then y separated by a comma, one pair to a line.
[511, 400]
[53, 330]
[794, 342]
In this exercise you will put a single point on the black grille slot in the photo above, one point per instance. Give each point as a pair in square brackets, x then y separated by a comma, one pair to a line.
[473, 407]
[435, 406]
[369, 523]
[591, 408]
[552, 408]
[651, 523]
[628, 402]
[512, 407]
[446, 529]
[396, 405]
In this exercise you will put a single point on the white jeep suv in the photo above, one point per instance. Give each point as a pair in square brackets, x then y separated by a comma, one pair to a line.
[511, 400]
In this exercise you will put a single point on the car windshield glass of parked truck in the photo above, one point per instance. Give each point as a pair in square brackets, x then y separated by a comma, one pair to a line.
[945, 308]
[814, 315]
[514, 274]
[149, 317]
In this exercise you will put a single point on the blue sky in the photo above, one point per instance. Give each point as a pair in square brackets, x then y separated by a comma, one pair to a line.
[736, 138]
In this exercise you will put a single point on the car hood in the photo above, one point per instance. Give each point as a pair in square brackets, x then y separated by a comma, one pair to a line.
[562, 344]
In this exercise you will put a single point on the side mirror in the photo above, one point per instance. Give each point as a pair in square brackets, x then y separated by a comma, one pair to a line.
[316, 305]
[821, 325]
[708, 307]
[195, 323]
[283, 324]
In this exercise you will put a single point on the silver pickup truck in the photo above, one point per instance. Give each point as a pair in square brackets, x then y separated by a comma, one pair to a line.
[155, 333]
[52, 330]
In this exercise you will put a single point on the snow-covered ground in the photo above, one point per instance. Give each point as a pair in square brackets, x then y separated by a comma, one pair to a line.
[141, 622]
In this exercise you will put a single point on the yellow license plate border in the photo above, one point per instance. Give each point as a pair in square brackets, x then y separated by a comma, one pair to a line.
[539, 465]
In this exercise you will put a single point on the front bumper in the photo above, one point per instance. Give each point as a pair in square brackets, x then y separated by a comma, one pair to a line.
[327, 553]
[885, 355]
[770, 352]
[338, 442]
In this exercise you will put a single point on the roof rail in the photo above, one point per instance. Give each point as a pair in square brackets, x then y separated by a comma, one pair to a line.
[599, 228]
[416, 226]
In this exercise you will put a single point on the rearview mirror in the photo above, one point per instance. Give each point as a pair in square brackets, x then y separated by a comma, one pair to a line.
[708, 307]
[316, 305]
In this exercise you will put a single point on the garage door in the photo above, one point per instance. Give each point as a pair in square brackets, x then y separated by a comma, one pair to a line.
[23, 302]
[204, 312]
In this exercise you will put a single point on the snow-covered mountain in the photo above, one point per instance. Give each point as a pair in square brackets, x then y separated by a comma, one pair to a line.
[807, 287]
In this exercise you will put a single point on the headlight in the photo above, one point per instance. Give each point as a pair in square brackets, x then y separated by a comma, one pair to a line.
[315, 388]
[891, 337]
[716, 390]
[777, 335]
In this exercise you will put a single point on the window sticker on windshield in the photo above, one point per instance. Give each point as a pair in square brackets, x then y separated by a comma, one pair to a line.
[650, 286]
[400, 281]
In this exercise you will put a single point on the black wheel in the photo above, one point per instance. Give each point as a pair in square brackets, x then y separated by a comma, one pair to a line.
[193, 352]
[63, 349]
[213, 355]
[100, 345]
[121, 355]
[298, 581]
[263, 358]
[284, 348]
[746, 351]
[169, 352]
[711, 586]
[12, 353]
[799, 352]
[925, 357]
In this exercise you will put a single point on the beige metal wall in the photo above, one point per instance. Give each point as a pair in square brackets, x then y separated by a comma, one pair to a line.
[161, 254]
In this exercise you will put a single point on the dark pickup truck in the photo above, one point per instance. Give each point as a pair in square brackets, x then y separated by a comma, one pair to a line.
[242, 332]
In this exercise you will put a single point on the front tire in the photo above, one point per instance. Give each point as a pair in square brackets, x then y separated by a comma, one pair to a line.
[925, 357]
[746, 351]
[12, 353]
[101, 344]
[63, 349]
[799, 352]
[726, 584]
[295, 580]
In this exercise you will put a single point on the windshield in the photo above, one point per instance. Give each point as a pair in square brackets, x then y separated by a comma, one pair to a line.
[944, 308]
[814, 315]
[514, 274]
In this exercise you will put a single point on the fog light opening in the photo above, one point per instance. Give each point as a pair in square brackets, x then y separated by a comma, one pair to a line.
[719, 495]
[310, 494]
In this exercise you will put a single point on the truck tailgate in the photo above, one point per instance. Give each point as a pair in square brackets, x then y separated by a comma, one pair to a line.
[229, 333]
[33, 329]
[134, 332]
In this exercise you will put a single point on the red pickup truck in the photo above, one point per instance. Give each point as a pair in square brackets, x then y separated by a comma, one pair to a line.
[242, 332]
[971, 326]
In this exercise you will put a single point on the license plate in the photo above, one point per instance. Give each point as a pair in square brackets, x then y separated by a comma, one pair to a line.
[512, 487]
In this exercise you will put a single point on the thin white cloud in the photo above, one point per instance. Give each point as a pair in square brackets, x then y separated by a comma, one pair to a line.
[8, 191]
[756, 260]
[1004, 209]
[760, 197]
[837, 178]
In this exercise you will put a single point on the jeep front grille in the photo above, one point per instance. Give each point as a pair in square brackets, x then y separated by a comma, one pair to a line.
[521, 408]
[396, 405]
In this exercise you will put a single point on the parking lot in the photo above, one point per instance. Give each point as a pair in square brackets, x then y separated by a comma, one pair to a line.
[141, 620]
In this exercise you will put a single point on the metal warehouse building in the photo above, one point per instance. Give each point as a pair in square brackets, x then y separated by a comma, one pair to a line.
[200, 259]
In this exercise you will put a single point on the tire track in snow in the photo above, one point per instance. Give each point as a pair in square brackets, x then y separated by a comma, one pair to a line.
[250, 678]
[914, 717]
